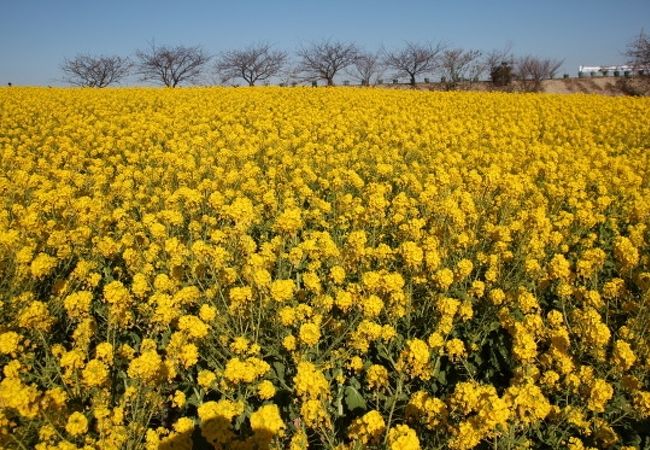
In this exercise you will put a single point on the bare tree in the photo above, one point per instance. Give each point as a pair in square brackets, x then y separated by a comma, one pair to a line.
[171, 65]
[461, 65]
[531, 71]
[413, 60]
[366, 68]
[323, 60]
[638, 52]
[255, 63]
[495, 58]
[289, 76]
[95, 71]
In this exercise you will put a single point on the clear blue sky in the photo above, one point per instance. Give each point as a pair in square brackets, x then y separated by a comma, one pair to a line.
[35, 35]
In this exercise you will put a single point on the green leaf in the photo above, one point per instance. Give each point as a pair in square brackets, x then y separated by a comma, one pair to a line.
[354, 383]
[194, 400]
[279, 369]
[353, 399]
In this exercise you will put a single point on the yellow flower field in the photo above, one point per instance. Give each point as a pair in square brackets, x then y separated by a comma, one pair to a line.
[323, 268]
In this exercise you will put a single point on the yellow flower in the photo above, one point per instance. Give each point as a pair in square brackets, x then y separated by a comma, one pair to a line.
[239, 296]
[559, 268]
[139, 285]
[401, 437]
[225, 409]
[207, 313]
[178, 400]
[193, 327]
[42, 265]
[600, 393]
[77, 304]
[355, 364]
[36, 317]
[146, 367]
[414, 359]
[343, 300]
[299, 441]
[246, 371]
[464, 267]
[368, 428]
[206, 378]
[289, 221]
[267, 421]
[524, 347]
[104, 352]
[496, 296]
[372, 306]
[21, 397]
[337, 274]
[189, 239]
[377, 376]
[95, 373]
[265, 390]
[426, 409]
[282, 290]
[314, 414]
[477, 289]
[184, 425]
[309, 333]
[289, 343]
[642, 403]
[312, 282]
[444, 278]
[189, 355]
[310, 382]
[624, 357]
[626, 253]
[455, 349]
[528, 403]
[9, 342]
[116, 293]
[77, 424]
[412, 254]
[436, 341]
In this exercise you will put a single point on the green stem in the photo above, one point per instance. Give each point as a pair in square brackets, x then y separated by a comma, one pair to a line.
[20, 444]
[398, 391]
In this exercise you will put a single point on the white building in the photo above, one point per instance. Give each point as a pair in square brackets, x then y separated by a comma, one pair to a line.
[617, 68]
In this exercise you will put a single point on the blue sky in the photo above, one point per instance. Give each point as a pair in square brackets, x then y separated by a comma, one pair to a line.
[35, 35]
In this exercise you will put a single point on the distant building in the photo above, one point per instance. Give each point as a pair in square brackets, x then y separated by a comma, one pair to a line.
[621, 68]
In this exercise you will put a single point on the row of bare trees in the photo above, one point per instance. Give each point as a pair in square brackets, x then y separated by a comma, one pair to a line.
[322, 61]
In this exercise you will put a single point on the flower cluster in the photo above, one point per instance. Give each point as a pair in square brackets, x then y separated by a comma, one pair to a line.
[336, 268]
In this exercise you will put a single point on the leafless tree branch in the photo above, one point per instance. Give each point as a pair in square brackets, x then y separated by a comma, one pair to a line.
[323, 60]
[171, 65]
[367, 68]
[461, 65]
[495, 58]
[531, 71]
[95, 71]
[255, 63]
[414, 60]
[638, 52]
